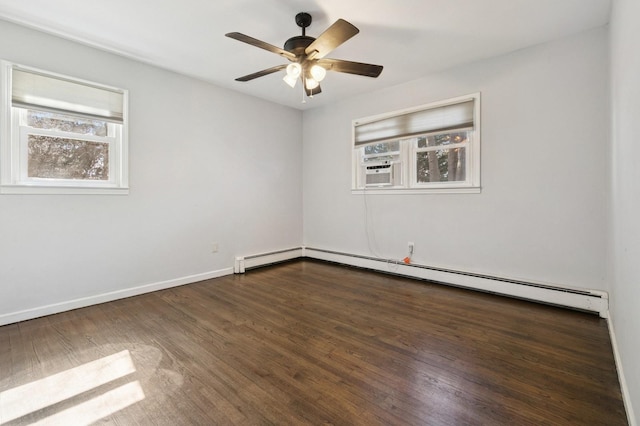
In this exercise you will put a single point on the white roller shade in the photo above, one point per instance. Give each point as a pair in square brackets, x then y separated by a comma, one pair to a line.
[44, 92]
[439, 119]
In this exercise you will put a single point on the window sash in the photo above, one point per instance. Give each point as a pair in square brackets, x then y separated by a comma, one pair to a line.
[414, 183]
[21, 150]
[25, 131]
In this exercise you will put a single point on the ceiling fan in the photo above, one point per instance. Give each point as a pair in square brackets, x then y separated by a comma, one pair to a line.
[307, 55]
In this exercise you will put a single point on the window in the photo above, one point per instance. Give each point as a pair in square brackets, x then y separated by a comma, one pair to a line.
[61, 135]
[432, 148]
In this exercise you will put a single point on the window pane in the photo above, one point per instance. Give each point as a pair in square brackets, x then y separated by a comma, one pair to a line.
[381, 148]
[66, 123]
[442, 165]
[62, 158]
[442, 139]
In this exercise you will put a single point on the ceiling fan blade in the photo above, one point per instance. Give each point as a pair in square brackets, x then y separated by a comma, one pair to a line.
[311, 92]
[367, 70]
[262, 73]
[261, 44]
[333, 37]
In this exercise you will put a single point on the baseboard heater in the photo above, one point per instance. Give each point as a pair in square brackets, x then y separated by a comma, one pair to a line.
[582, 299]
[244, 263]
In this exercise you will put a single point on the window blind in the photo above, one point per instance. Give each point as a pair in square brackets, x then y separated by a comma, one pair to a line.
[457, 116]
[54, 94]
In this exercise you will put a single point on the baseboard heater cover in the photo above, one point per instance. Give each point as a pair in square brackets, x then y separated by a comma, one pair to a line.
[581, 299]
[242, 263]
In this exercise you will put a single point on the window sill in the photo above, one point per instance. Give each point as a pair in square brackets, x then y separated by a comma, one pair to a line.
[415, 191]
[52, 190]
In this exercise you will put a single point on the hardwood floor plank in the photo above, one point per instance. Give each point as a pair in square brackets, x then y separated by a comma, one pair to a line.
[314, 343]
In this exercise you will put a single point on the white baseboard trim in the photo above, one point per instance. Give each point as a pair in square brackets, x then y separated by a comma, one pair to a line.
[55, 308]
[623, 383]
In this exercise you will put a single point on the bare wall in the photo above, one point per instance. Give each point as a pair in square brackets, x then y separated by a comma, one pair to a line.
[206, 165]
[625, 250]
[542, 212]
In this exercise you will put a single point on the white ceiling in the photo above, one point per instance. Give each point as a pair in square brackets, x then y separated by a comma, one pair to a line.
[410, 38]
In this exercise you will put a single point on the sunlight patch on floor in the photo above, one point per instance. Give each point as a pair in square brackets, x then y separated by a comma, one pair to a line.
[93, 410]
[31, 397]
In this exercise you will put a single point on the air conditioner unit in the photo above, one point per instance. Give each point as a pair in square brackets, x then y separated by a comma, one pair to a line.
[382, 173]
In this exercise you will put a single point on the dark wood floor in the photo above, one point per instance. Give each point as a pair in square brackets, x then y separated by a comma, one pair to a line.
[311, 343]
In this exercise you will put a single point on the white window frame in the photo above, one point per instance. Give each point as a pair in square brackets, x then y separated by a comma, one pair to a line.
[13, 145]
[409, 150]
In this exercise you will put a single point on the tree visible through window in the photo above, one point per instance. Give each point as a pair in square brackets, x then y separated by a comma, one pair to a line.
[445, 164]
[62, 158]
[65, 123]
[381, 151]
[54, 157]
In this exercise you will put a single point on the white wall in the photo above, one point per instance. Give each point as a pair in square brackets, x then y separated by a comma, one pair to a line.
[206, 165]
[542, 212]
[625, 253]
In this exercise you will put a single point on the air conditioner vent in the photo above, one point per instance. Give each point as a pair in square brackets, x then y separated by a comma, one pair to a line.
[382, 173]
[379, 179]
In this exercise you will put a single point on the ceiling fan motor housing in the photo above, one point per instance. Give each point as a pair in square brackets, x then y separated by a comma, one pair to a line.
[298, 44]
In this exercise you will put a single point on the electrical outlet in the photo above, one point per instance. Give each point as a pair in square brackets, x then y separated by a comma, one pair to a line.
[411, 246]
[214, 247]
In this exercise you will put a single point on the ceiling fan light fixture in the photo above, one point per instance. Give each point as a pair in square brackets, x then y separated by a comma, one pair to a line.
[311, 83]
[291, 81]
[318, 73]
[294, 70]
